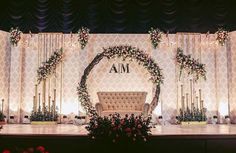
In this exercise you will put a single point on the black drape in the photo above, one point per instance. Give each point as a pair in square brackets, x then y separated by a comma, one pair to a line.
[118, 16]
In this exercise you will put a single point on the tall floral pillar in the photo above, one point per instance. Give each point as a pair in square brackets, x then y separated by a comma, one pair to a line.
[15, 82]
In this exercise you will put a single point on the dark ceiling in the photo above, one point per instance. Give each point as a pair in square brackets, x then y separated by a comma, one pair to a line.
[118, 16]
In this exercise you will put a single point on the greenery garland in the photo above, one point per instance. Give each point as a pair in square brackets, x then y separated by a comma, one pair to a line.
[49, 66]
[125, 52]
[191, 65]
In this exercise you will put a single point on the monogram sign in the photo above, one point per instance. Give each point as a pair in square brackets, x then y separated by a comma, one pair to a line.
[119, 68]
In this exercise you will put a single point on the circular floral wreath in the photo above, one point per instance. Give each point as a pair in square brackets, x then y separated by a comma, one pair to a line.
[124, 52]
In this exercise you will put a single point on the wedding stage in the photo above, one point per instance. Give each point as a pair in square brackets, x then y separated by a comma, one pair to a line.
[50, 78]
[167, 138]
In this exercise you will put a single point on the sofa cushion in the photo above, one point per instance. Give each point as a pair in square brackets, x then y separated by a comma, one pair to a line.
[112, 101]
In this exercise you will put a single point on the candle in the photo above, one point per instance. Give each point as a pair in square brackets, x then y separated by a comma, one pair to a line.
[36, 96]
[196, 102]
[187, 100]
[191, 90]
[36, 90]
[192, 106]
[182, 90]
[182, 103]
[201, 104]
[53, 106]
[54, 94]
[39, 101]
[49, 101]
[200, 95]
[34, 104]
[2, 105]
[44, 95]
[181, 94]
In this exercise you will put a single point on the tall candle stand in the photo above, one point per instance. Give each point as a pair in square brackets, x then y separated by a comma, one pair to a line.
[192, 110]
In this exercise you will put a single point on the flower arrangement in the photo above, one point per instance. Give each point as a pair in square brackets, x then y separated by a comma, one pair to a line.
[125, 52]
[83, 36]
[114, 128]
[131, 53]
[38, 149]
[15, 36]
[155, 36]
[46, 116]
[222, 36]
[192, 115]
[191, 65]
[49, 66]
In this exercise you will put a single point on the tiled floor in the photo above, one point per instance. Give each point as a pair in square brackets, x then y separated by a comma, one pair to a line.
[66, 129]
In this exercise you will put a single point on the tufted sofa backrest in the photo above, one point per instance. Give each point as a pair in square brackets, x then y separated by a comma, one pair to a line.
[122, 100]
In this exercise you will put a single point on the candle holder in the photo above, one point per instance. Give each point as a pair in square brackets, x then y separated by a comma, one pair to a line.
[47, 117]
[194, 116]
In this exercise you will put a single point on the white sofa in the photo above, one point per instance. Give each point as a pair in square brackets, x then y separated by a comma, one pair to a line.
[122, 103]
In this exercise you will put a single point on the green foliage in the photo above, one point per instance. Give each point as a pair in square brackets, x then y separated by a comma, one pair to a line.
[1, 116]
[195, 115]
[46, 116]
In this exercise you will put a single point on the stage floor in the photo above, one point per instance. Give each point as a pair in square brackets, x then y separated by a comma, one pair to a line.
[64, 138]
[73, 130]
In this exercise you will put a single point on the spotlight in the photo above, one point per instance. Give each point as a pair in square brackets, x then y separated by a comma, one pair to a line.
[227, 119]
[64, 119]
[26, 120]
[80, 120]
[12, 119]
[215, 119]
[160, 120]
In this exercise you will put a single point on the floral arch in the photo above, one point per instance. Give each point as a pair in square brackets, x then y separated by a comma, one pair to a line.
[126, 53]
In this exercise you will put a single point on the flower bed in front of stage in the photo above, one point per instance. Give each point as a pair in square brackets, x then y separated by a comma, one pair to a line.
[116, 129]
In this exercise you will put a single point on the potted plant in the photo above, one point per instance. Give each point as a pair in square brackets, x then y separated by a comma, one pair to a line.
[2, 118]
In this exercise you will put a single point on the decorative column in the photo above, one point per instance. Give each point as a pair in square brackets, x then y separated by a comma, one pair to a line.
[222, 82]
[15, 82]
